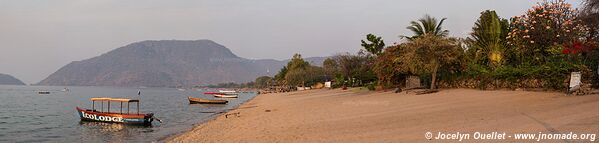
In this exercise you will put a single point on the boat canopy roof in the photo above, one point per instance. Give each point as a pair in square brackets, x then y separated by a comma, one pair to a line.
[114, 99]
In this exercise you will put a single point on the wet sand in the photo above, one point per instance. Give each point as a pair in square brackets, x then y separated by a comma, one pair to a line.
[345, 116]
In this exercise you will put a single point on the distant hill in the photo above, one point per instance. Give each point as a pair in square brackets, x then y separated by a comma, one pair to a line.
[9, 80]
[165, 63]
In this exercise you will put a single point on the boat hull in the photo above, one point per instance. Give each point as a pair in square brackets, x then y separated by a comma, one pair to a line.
[43, 92]
[224, 96]
[225, 93]
[89, 115]
[205, 101]
[228, 92]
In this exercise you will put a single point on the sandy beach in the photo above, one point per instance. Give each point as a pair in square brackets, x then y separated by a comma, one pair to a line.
[348, 116]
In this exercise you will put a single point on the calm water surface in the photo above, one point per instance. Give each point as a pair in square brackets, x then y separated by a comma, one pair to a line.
[26, 116]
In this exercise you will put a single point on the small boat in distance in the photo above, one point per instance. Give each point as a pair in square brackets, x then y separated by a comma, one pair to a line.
[228, 92]
[193, 100]
[224, 92]
[43, 92]
[212, 93]
[115, 117]
[221, 95]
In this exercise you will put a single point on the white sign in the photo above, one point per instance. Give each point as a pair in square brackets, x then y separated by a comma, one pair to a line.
[102, 118]
[575, 79]
[327, 84]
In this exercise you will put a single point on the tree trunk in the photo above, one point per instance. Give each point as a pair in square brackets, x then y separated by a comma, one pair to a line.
[434, 77]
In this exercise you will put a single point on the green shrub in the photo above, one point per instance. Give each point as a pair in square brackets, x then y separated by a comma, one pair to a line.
[551, 75]
[371, 86]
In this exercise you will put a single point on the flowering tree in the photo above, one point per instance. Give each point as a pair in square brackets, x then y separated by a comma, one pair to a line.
[540, 32]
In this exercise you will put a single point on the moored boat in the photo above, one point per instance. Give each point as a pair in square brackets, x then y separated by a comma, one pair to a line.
[228, 92]
[224, 96]
[193, 100]
[225, 92]
[43, 92]
[115, 117]
[212, 93]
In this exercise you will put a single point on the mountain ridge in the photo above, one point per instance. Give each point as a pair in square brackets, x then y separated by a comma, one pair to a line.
[6, 79]
[164, 63]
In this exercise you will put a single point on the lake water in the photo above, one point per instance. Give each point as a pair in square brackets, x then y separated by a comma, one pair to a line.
[26, 116]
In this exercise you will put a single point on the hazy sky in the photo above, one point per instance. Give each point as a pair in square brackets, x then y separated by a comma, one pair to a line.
[37, 37]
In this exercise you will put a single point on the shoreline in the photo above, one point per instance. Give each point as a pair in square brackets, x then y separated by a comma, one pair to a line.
[373, 116]
[215, 117]
[212, 117]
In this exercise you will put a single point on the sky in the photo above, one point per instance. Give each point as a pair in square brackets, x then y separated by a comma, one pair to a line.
[37, 37]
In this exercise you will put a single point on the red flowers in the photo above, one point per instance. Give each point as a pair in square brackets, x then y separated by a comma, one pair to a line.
[575, 48]
[566, 51]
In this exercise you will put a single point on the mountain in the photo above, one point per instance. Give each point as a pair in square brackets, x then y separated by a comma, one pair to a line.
[9, 80]
[164, 63]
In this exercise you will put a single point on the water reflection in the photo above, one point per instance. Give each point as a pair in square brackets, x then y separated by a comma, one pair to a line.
[111, 131]
[102, 126]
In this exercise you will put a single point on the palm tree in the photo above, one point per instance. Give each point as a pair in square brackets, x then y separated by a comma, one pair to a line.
[487, 38]
[426, 25]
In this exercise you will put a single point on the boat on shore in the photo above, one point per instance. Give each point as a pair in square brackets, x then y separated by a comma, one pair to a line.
[115, 117]
[193, 100]
[225, 96]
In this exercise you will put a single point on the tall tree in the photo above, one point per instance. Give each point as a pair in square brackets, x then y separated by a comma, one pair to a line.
[590, 15]
[347, 64]
[356, 67]
[297, 62]
[296, 77]
[375, 46]
[431, 52]
[280, 76]
[296, 70]
[540, 34]
[299, 72]
[391, 67]
[427, 25]
[263, 81]
[329, 66]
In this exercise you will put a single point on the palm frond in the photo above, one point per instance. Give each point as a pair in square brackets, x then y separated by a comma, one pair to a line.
[439, 31]
[426, 25]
